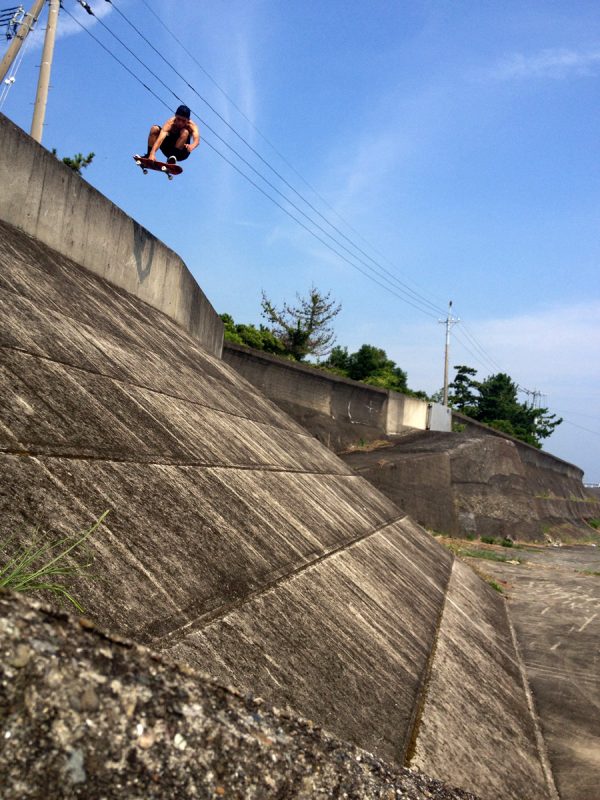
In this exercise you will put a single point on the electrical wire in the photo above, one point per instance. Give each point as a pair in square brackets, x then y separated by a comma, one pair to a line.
[250, 180]
[392, 283]
[414, 302]
[404, 286]
[9, 81]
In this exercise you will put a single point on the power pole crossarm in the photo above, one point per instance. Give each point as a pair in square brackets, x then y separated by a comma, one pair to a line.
[25, 28]
[448, 322]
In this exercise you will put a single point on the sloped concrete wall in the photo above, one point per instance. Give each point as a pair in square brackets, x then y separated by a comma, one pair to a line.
[43, 197]
[474, 675]
[235, 540]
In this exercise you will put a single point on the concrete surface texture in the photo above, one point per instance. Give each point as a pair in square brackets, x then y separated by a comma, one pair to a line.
[471, 483]
[84, 716]
[338, 411]
[554, 603]
[43, 197]
[235, 539]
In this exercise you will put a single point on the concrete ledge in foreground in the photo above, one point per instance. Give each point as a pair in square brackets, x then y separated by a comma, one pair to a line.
[83, 712]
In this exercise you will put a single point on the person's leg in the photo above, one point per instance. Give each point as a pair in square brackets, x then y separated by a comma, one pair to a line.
[152, 137]
[182, 140]
[181, 155]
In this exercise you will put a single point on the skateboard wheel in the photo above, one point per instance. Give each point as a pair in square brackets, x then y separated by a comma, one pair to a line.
[170, 177]
[145, 171]
[163, 169]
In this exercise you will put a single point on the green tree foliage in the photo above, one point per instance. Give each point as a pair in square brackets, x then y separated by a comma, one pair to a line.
[259, 338]
[369, 364]
[494, 401]
[463, 389]
[78, 162]
[303, 329]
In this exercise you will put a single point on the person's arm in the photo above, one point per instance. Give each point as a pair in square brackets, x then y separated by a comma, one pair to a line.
[195, 135]
[164, 132]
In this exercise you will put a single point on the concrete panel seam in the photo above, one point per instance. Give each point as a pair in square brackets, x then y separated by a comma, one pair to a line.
[410, 740]
[181, 632]
[40, 456]
[539, 738]
[146, 388]
[554, 672]
[92, 515]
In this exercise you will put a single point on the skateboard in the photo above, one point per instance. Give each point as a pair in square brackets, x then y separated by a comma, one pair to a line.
[158, 166]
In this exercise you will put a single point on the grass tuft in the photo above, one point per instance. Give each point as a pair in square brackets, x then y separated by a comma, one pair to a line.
[43, 565]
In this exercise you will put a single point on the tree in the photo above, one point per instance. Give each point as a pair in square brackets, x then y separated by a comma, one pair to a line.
[78, 162]
[338, 361]
[303, 329]
[497, 405]
[462, 395]
[371, 365]
[259, 338]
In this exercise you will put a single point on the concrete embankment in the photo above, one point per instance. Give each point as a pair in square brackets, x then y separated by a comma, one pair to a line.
[235, 540]
[476, 484]
[481, 482]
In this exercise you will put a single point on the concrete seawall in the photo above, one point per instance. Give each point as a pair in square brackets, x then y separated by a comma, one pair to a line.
[236, 541]
[43, 197]
[338, 411]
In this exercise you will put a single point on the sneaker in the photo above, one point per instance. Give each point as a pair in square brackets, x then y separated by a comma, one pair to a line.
[171, 160]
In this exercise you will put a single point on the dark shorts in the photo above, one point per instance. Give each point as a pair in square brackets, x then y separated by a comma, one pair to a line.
[169, 149]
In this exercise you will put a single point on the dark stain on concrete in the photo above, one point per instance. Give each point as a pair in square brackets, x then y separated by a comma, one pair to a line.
[141, 252]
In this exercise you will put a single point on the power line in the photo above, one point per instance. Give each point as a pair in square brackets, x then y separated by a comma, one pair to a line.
[250, 180]
[416, 296]
[434, 307]
[415, 302]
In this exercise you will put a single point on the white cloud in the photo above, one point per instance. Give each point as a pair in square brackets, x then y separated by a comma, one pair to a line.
[550, 63]
[68, 26]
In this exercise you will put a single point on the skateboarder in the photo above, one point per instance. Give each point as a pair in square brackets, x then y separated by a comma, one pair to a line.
[177, 137]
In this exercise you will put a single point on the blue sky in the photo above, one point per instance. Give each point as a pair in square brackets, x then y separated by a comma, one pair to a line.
[455, 143]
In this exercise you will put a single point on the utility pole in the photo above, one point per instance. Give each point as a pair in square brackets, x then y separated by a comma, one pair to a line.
[28, 22]
[448, 322]
[41, 98]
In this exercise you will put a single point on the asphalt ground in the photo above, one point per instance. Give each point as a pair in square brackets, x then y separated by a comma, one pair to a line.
[553, 597]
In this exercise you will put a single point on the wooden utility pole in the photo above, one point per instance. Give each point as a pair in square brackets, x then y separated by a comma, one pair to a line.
[41, 98]
[28, 22]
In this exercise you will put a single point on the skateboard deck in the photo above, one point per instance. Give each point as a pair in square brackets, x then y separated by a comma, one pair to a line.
[157, 166]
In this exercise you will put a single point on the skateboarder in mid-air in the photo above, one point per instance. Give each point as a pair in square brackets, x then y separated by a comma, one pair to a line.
[177, 137]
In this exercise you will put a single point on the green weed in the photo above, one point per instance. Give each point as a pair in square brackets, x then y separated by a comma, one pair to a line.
[43, 564]
[489, 555]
